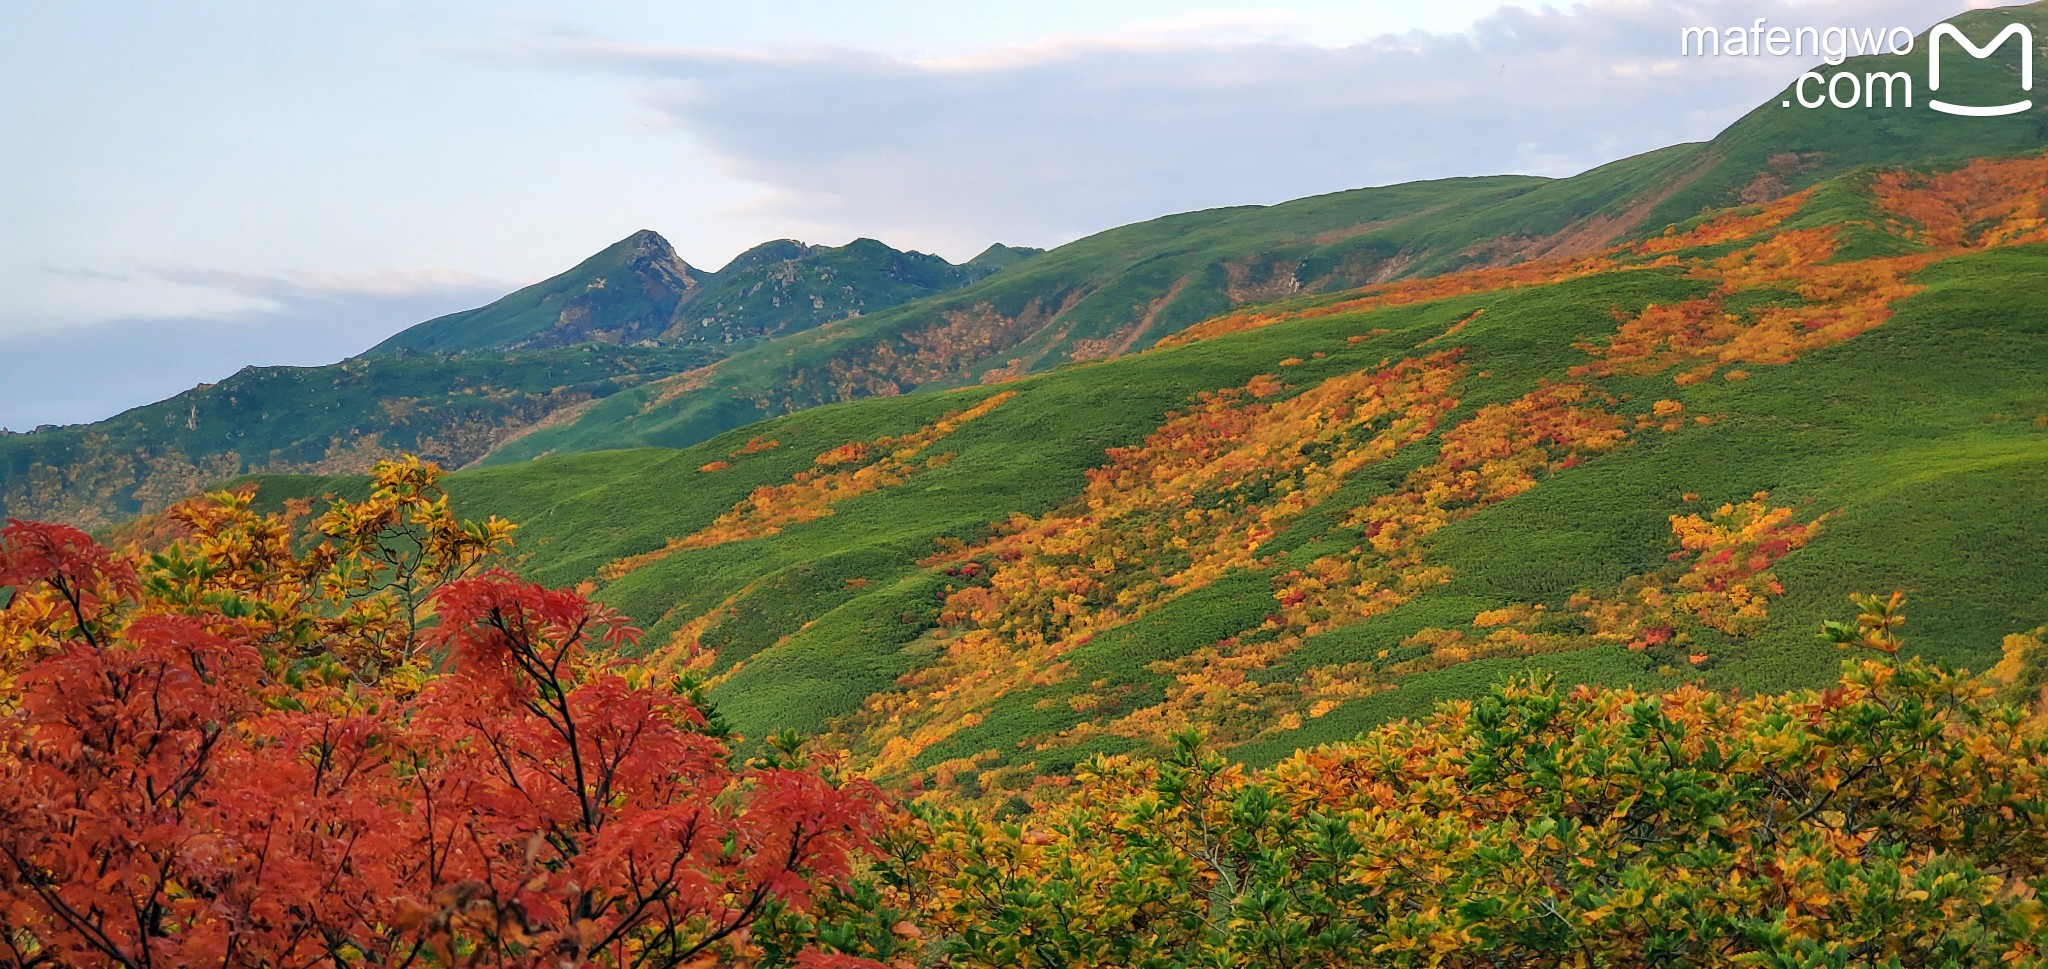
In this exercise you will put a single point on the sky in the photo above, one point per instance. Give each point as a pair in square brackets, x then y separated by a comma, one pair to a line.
[187, 189]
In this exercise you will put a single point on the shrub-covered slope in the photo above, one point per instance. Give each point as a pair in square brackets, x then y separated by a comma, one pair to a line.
[1664, 462]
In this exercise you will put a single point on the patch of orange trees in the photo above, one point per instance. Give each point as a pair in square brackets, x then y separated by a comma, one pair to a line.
[1834, 302]
[360, 592]
[1725, 583]
[1719, 580]
[1501, 451]
[1988, 202]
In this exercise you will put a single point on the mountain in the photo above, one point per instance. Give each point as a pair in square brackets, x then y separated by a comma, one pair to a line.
[454, 388]
[1662, 462]
[1122, 290]
[625, 293]
[999, 256]
[638, 290]
[785, 286]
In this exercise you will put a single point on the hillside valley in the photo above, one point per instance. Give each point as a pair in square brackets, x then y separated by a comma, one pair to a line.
[1665, 462]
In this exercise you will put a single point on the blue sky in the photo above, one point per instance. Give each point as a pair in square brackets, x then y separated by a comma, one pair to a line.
[186, 189]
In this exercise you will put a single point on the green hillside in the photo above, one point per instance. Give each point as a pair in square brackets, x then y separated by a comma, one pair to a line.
[1775, 149]
[1121, 290]
[1832, 419]
[453, 407]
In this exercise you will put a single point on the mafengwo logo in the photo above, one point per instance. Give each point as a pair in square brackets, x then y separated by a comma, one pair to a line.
[2015, 32]
[1873, 89]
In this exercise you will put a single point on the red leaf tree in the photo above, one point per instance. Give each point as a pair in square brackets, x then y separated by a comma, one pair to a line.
[175, 792]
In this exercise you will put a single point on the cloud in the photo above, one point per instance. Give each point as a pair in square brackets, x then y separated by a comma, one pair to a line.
[85, 373]
[1217, 28]
[1040, 143]
[300, 288]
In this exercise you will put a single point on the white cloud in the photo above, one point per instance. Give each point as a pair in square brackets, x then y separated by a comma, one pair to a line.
[281, 289]
[1206, 29]
[1038, 143]
[87, 372]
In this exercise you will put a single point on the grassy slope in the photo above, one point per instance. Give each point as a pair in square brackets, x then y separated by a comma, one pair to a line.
[1135, 284]
[1932, 472]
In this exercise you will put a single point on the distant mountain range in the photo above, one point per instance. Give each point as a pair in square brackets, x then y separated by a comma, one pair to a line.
[638, 290]
[455, 387]
[634, 347]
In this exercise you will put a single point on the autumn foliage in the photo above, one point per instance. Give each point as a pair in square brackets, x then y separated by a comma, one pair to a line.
[202, 767]
[1898, 817]
[1503, 450]
[1194, 501]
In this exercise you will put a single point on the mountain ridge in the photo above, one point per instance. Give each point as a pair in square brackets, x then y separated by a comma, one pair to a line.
[1126, 288]
[639, 289]
[455, 387]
